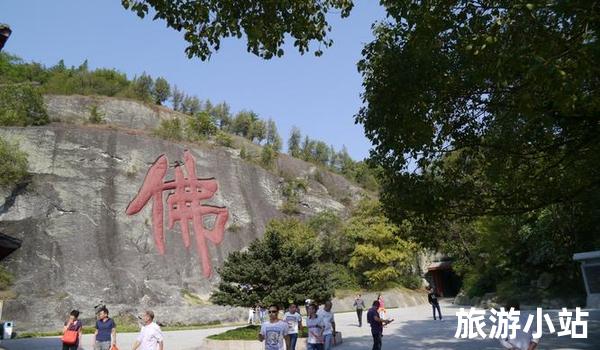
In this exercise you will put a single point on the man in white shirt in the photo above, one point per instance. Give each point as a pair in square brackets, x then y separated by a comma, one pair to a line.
[329, 334]
[151, 337]
[274, 332]
[523, 340]
[294, 321]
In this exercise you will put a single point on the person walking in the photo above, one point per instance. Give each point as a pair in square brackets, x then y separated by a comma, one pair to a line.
[150, 337]
[294, 321]
[106, 331]
[377, 324]
[432, 297]
[262, 314]
[315, 327]
[329, 320]
[72, 332]
[382, 311]
[359, 305]
[274, 332]
[251, 315]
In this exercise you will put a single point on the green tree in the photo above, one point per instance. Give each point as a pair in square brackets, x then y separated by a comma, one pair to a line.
[294, 142]
[143, 86]
[161, 90]
[59, 67]
[264, 25]
[271, 271]
[381, 257]
[222, 116]
[268, 156]
[83, 67]
[258, 131]
[272, 137]
[177, 98]
[345, 162]
[200, 126]
[243, 123]
[499, 111]
[307, 150]
[191, 105]
[321, 153]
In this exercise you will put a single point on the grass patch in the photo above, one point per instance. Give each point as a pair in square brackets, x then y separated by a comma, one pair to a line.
[192, 298]
[246, 333]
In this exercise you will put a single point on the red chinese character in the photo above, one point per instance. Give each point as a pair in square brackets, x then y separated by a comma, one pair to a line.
[184, 204]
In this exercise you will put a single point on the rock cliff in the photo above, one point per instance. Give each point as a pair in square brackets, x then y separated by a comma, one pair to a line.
[80, 247]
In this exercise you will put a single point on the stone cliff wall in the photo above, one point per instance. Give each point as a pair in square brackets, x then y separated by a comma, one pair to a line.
[79, 246]
[118, 112]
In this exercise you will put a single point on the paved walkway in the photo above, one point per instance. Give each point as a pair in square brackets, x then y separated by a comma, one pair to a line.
[413, 329]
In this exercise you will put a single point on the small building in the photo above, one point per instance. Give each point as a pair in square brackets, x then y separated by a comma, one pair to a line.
[590, 269]
[442, 277]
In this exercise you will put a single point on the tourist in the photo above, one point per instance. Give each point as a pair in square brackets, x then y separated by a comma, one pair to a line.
[72, 332]
[382, 311]
[432, 297]
[251, 315]
[377, 324]
[294, 321]
[106, 331]
[150, 337]
[262, 314]
[522, 340]
[359, 305]
[315, 327]
[329, 334]
[274, 331]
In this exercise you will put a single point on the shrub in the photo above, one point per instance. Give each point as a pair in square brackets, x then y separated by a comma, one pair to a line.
[169, 129]
[96, 116]
[224, 139]
[199, 127]
[267, 157]
[13, 164]
[21, 105]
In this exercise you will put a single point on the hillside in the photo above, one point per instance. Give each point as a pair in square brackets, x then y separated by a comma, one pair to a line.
[80, 247]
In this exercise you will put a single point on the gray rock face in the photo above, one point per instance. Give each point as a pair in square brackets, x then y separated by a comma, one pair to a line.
[119, 112]
[79, 246]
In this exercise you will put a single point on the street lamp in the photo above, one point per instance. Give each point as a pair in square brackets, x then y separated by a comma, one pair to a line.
[4, 34]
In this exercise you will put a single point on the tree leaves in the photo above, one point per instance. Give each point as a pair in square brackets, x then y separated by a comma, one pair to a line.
[478, 108]
[264, 23]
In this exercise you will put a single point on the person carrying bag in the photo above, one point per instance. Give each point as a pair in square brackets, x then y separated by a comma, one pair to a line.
[72, 332]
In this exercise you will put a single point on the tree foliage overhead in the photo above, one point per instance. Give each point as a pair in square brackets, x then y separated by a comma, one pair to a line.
[264, 23]
[484, 107]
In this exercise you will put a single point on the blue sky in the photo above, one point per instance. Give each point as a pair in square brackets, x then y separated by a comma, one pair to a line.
[320, 95]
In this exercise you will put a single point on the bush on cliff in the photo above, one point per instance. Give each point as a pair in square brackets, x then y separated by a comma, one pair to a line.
[13, 164]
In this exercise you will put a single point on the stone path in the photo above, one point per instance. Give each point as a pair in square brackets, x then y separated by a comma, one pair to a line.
[413, 329]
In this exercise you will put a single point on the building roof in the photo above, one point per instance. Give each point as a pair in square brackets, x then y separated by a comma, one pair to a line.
[587, 255]
[8, 245]
[439, 265]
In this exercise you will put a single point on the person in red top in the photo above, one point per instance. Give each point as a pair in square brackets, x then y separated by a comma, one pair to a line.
[73, 324]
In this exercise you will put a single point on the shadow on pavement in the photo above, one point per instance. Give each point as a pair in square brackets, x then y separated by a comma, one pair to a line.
[32, 343]
[439, 335]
